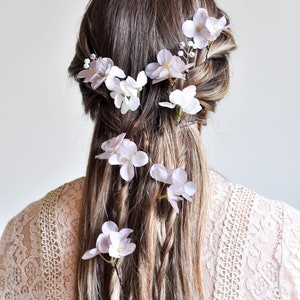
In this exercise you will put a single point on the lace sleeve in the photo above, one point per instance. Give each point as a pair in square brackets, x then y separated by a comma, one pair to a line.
[39, 247]
[20, 266]
[290, 264]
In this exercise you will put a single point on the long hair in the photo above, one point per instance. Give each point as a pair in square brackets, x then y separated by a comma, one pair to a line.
[167, 261]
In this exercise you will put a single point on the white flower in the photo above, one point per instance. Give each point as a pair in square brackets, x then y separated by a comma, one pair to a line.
[112, 241]
[160, 173]
[185, 99]
[100, 70]
[179, 186]
[196, 29]
[168, 66]
[126, 93]
[128, 157]
[215, 27]
[203, 29]
[111, 146]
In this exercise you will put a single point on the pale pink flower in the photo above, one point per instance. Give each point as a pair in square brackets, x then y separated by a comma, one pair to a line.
[111, 146]
[215, 27]
[196, 28]
[185, 99]
[168, 66]
[179, 188]
[99, 70]
[160, 173]
[112, 241]
[203, 29]
[126, 93]
[128, 157]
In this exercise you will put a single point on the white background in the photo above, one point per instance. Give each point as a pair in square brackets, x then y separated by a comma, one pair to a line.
[253, 139]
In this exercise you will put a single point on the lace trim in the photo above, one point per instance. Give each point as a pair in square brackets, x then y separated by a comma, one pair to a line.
[51, 256]
[232, 244]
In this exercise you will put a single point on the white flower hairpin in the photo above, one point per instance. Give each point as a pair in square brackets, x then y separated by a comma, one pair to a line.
[113, 242]
[121, 151]
[203, 29]
[179, 187]
[125, 93]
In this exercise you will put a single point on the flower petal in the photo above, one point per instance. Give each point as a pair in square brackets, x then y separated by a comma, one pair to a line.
[167, 104]
[123, 233]
[103, 243]
[159, 172]
[128, 249]
[116, 71]
[141, 79]
[112, 82]
[200, 17]
[114, 159]
[189, 28]
[109, 226]
[190, 188]
[179, 176]
[139, 159]
[127, 171]
[134, 103]
[90, 254]
[163, 56]
[177, 97]
[150, 68]
[200, 41]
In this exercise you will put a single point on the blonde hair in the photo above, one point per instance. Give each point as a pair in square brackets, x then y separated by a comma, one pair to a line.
[167, 261]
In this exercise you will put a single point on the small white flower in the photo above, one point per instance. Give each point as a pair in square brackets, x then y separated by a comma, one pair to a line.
[203, 29]
[215, 27]
[179, 188]
[112, 241]
[99, 71]
[196, 29]
[111, 146]
[126, 93]
[168, 66]
[160, 173]
[128, 157]
[185, 99]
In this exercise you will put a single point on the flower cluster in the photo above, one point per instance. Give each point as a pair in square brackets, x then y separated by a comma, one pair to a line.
[179, 187]
[121, 151]
[125, 93]
[185, 100]
[100, 70]
[168, 66]
[203, 29]
[112, 241]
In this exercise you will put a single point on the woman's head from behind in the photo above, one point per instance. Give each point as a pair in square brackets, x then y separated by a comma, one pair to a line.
[166, 263]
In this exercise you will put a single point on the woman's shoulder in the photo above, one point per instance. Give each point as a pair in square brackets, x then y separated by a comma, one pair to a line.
[257, 237]
[37, 241]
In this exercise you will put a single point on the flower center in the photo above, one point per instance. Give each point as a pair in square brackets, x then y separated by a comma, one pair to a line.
[119, 249]
[198, 28]
[167, 66]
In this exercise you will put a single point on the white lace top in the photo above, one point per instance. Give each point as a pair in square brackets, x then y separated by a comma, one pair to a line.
[252, 249]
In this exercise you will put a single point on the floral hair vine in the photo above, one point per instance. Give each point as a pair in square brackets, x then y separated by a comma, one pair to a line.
[201, 31]
[125, 91]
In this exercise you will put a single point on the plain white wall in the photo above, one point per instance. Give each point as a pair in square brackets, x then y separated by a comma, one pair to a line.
[253, 139]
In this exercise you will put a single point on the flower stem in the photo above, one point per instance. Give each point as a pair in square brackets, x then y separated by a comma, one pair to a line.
[120, 281]
[162, 197]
